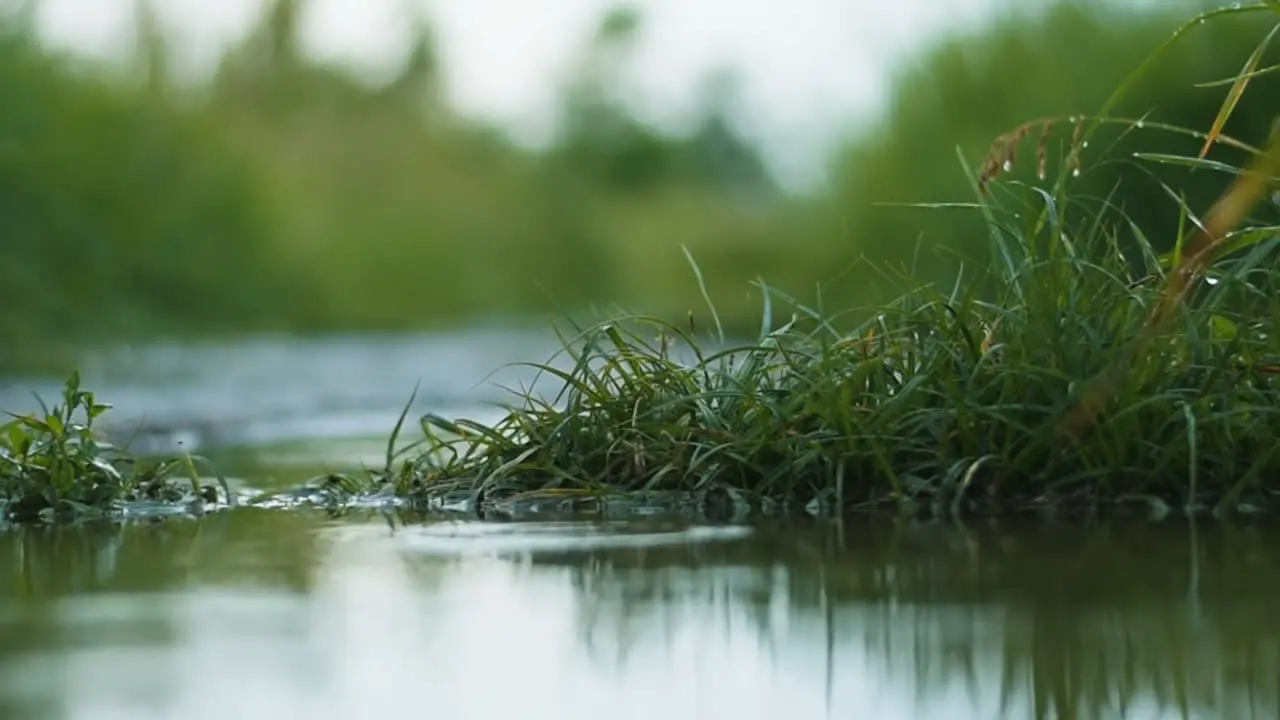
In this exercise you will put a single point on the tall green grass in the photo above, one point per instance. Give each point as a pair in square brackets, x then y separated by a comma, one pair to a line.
[959, 93]
[1082, 369]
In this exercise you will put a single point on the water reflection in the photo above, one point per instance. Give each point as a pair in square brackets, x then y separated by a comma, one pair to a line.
[260, 614]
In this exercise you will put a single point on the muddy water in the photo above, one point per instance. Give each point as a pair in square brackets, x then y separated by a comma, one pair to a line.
[258, 613]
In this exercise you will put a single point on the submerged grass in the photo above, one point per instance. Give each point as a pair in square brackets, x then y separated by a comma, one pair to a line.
[1083, 370]
[53, 466]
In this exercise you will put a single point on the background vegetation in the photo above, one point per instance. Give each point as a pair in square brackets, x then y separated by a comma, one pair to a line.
[284, 194]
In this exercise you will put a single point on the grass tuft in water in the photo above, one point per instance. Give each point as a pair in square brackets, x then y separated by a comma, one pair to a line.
[1085, 369]
[948, 401]
[54, 467]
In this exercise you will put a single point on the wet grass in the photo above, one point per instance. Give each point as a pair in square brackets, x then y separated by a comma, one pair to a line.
[54, 466]
[1081, 370]
[946, 401]
[1084, 370]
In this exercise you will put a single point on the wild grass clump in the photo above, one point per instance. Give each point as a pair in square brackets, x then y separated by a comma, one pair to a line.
[941, 399]
[54, 467]
[1081, 370]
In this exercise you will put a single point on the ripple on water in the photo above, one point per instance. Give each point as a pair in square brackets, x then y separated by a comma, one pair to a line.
[481, 538]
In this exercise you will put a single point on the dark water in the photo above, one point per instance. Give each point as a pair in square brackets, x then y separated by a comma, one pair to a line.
[258, 613]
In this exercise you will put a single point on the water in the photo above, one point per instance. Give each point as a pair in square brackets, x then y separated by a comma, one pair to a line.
[268, 614]
[284, 393]
[258, 613]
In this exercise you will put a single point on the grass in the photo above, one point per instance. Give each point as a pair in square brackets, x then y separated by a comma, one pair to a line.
[1082, 370]
[54, 467]
[1079, 370]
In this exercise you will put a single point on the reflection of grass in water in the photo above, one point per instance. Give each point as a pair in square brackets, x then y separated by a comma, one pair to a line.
[1101, 622]
[40, 564]
[1089, 625]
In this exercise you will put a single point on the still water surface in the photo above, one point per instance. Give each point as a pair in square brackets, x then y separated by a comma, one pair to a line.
[261, 613]
[274, 614]
[280, 391]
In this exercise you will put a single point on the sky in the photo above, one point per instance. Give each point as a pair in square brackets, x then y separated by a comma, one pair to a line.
[811, 69]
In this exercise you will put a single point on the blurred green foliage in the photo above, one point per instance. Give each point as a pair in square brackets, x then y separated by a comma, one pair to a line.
[287, 194]
[963, 93]
[118, 213]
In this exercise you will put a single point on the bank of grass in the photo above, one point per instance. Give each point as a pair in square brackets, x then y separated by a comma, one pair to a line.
[1078, 372]
[55, 467]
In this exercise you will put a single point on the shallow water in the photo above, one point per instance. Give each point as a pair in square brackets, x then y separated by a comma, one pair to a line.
[272, 614]
[262, 613]
[327, 393]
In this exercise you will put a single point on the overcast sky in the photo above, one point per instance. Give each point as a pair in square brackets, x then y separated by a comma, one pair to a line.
[810, 66]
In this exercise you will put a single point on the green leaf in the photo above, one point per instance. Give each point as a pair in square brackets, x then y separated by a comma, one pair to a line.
[1241, 240]
[1194, 163]
[1226, 81]
[106, 468]
[1222, 329]
[1237, 91]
